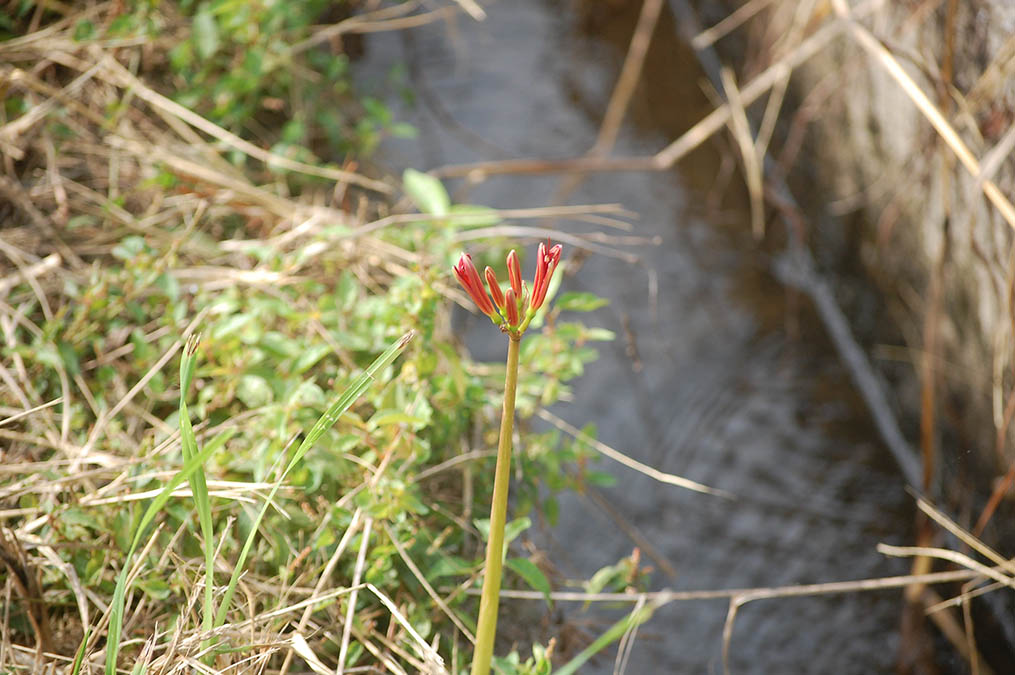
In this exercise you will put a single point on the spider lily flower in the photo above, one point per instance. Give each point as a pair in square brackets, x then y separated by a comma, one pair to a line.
[491, 281]
[468, 277]
[546, 263]
[514, 272]
[514, 309]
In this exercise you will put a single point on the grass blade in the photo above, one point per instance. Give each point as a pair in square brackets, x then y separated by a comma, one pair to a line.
[198, 482]
[116, 606]
[79, 656]
[614, 633]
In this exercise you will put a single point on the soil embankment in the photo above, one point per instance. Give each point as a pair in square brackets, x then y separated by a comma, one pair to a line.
[910, 117]
[903, 124]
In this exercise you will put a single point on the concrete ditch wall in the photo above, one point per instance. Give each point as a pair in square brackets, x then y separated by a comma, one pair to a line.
[938, 251]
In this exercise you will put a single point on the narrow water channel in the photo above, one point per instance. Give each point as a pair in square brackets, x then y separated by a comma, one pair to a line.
[718, 376]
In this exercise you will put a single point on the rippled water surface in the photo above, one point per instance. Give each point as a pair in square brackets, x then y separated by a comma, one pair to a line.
[719, 376]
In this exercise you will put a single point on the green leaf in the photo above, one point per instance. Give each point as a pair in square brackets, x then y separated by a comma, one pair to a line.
[426, 192]
[403, 130]
[310, 357]
[386, 417]
[254, 391]
[70, 358]
[551, 510]
[598, 335]
[168, 284]
[580, 302]
[532, 575]
[294, 131]
[155, 588]
[206, 32]
[84, 30]
[48, 355]
[81, 220]
[600, 479]
[129, 248]
[601, 579]
[515, 528]
[181, 56]
[76, 516]
[449, 566]
[511, 530]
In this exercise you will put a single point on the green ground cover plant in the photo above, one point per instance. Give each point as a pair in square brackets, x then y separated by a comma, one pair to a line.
[300, 482]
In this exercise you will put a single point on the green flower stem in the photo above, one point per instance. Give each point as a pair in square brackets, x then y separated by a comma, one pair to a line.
[487, 627]
[529, 315]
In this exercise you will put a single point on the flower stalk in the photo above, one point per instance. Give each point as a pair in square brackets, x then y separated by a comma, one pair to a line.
[489, 602]
[512, 310]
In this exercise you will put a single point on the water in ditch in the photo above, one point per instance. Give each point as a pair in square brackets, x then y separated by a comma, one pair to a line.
[717, 374]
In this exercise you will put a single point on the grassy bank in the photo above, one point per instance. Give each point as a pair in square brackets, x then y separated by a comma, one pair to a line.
[190, 184]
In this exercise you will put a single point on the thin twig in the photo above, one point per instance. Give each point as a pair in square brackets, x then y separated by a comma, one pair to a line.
[350, 610]
[758, 593]
[630, 73]
[617, 456]
[26, 413]
[384, 19]
[50, 262]
[949, 555]
[427, 587]
[741, 129]
[730, 23]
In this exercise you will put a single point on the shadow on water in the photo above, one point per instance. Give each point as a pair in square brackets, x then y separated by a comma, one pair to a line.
[719, 377]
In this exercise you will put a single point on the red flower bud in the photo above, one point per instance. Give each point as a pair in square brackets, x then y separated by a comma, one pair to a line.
[511, 308]
[491, 280]
[545, 266]
[514, 272]
[555, 252]
[540, 273]
[468, 277]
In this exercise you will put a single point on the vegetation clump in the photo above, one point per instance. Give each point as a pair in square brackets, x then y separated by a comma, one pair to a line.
[303, 480]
